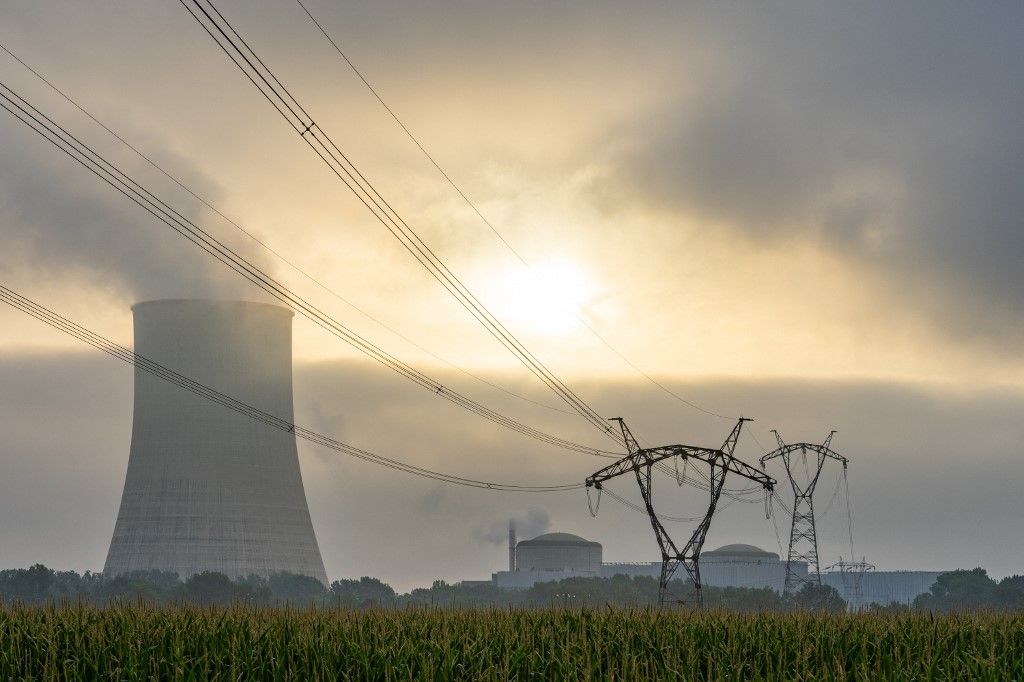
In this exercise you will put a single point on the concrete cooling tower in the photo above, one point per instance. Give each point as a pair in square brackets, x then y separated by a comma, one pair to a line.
[207, 488]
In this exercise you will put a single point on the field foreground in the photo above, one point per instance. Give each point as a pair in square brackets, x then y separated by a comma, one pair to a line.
[133, 642]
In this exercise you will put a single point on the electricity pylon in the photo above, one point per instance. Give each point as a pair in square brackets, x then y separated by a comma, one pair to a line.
[803, 540]
[852, 575]
[642, 460]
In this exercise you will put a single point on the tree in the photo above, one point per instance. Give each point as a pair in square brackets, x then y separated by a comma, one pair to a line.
[292, 587]
[363, 593]
[149, 586]
[34, 584]
[743, 598]
[958, 591]
[1009, 593]
[815, 597]
[209, 587]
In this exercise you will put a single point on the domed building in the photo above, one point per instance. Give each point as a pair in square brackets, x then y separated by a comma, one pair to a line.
[740, 551]
[550, 557]
[557, 556]
[736, 565]
[740, 565]
[559, 552]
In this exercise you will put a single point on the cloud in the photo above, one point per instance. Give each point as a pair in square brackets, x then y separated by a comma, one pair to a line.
[62, 223]
[889, 134]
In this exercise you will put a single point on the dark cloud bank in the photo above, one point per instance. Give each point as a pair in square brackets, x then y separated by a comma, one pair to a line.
[890, 133]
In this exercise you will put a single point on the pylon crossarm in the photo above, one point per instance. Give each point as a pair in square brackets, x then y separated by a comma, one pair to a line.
[822, 450]
[649, 457]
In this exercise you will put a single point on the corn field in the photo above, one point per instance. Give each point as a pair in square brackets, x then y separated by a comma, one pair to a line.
[216, 643]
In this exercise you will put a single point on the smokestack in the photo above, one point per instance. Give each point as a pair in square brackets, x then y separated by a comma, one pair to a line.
[208, 488]
[511, 544]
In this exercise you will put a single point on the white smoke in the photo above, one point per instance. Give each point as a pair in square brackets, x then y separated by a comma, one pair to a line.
[529, 525]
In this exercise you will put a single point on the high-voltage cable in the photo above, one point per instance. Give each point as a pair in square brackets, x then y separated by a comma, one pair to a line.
[409, 134]
[116, 178]
[472, 205]
[63, 324]
[277, 254]
[231, 42]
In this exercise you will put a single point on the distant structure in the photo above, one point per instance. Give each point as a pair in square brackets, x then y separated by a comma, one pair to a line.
[207, 488]
[550, 557]
[880, 587]
[559, 552]
[511, 544]
[736, 565]
[557, 556]
[742, 565]
[803, 539]
[852, 576]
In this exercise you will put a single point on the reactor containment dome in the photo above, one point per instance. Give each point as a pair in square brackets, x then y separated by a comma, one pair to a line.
[559, 552]
[208, 488]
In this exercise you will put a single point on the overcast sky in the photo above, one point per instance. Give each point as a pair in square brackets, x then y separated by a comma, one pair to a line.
[807, 213]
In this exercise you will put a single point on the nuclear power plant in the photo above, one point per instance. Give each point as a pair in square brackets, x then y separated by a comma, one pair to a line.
[208, 488]
[557, 556]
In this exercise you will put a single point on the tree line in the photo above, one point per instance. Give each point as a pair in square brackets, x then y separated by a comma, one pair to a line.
[954, 591]
[39, 584]
[971, 590]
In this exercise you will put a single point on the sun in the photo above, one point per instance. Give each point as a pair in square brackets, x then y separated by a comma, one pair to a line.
[546, 298]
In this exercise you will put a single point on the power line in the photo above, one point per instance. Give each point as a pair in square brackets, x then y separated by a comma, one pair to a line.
[120, 181]
[415, 140]
[231, 42]
[368, 194]
[60, 323]
[63, 324]
[410, 135]
[177, 181]
[637, 508]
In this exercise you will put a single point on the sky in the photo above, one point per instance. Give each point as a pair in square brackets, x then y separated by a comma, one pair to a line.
[805, 213]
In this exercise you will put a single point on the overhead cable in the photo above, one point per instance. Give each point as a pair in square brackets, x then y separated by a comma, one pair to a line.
[119, 180]
[472, 205]
[231, 42]
[266, 246]
[39, 312]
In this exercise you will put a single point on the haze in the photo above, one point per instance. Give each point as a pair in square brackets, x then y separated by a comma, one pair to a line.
[802, 213]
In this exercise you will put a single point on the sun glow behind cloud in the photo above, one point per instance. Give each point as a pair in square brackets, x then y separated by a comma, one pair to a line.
[546, 298]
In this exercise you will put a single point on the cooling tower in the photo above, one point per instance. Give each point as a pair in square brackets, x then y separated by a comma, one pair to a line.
[207, 488]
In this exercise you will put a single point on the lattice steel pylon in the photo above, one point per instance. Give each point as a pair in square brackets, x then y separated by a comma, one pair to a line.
[852, 575]
[803, 539]
[641, 461]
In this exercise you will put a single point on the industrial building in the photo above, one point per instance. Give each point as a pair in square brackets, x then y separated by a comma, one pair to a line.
[741, 565]
[880, 587]
[208, 488]
[734, 565]
[549, 557]
[556, 556]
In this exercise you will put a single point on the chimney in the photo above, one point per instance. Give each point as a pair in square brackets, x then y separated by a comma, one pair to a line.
[511, 544]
